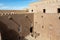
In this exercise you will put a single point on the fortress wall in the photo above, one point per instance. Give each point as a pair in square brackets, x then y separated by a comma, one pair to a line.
[4, 12]
[49, 6]
[47, 25]
[18, 20]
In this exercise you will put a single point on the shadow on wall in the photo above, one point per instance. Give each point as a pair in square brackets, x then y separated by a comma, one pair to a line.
[9, 34]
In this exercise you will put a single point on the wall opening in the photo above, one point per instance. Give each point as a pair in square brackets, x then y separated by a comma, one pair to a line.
[31, 10]
[42, 16]
[58, 10]
[42, 26]
[59, 18]
[31, 29]
[44, 10]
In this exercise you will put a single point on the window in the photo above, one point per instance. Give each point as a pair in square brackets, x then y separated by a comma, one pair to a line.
[44, 10]
[58, 10]
[31, 29]
[32, 10]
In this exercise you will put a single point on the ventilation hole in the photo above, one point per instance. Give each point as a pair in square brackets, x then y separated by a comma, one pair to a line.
[31, 29]
[32, 35]
[42, 26]
[59, 17]
[42, 16]
[44, 10]
[38, 34]
[26, 16]
[32, 10]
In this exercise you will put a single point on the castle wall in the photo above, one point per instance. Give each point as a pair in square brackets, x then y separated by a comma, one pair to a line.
[46, 27]
[20, 23]
[49, 6]
[10, 12]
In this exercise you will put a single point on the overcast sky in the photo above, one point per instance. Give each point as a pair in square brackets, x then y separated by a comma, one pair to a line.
[14, 4]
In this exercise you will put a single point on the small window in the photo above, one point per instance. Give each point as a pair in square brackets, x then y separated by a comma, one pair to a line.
[44, 10]
[32, 10]
[58, 10]
[31, 29]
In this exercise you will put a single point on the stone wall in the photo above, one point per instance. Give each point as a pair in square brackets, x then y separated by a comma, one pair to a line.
[49, 6]
[46, 27]
[20, 23]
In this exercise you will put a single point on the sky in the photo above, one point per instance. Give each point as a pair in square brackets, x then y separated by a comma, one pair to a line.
[15, 4]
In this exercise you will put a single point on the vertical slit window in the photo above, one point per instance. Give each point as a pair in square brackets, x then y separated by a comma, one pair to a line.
[31, 29]
[32, 10]
[44, 10]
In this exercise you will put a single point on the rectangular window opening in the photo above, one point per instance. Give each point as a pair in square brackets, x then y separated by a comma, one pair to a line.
[44, 10]
[58, 10]
[31, 29]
